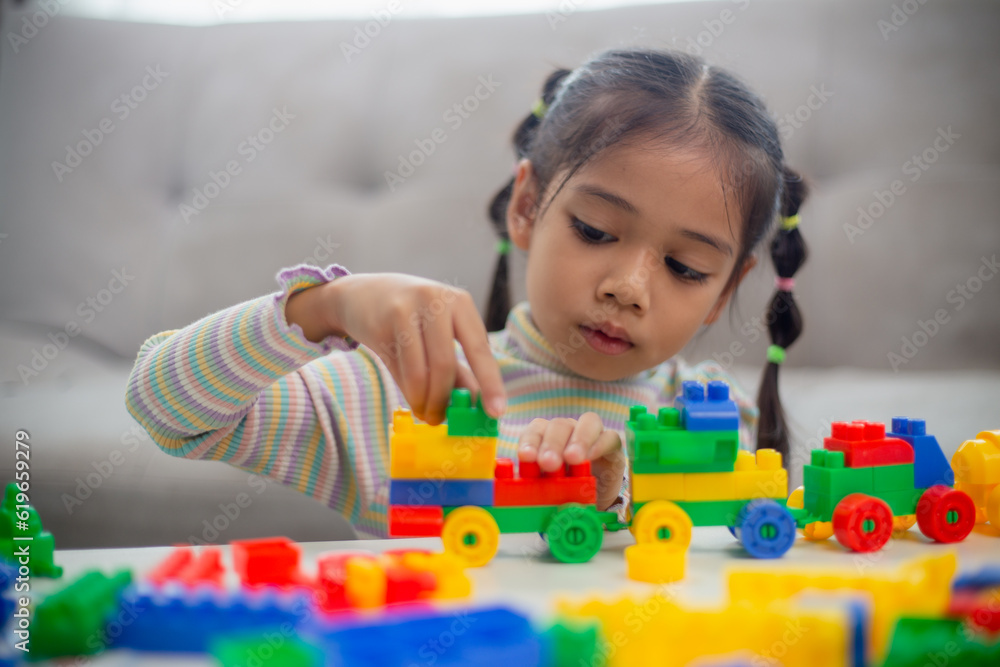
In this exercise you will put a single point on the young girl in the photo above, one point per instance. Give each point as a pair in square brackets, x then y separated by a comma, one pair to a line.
[645, 181]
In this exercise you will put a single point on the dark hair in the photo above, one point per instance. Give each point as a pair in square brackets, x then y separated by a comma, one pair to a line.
[675, 98]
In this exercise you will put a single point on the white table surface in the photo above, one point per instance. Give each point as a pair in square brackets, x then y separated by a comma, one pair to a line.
[526, 578]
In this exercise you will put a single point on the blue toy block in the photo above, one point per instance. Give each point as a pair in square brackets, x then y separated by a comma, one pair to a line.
[6, 611]
[715, 413]
[930, 465]
[491, 637]
[985, 577]
[7, 575]
[441, 492]
[182, 621]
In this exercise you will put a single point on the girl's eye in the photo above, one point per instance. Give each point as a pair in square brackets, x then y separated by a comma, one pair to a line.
[684, 272]
[588, 233]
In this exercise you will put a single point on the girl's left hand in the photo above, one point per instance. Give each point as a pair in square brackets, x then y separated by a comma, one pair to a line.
[557, 441]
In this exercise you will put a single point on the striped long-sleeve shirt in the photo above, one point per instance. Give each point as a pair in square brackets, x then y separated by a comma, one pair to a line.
[244, 386]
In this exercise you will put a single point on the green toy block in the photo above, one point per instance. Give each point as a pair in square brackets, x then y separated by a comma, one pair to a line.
[917, 642]
[21, 532]
[466, 420]
[71, 621]
[291, 652]
[519, 519]
[901, 502]
[659, 444]
[572, 642]
[892, 478]
[836, 481]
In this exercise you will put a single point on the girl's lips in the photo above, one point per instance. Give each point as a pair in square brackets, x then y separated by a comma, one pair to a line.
[603, 343]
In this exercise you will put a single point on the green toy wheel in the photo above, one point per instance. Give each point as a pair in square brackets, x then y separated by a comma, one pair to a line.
[574, 533]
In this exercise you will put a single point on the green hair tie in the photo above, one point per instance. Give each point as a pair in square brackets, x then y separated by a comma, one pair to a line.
[503, 246]
[775, 354]
[539, 109]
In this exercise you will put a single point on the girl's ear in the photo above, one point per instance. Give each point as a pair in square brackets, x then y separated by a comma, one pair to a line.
[724, 297]
[523, 206]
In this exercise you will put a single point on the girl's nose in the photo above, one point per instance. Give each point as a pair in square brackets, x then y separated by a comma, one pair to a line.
[628, 283]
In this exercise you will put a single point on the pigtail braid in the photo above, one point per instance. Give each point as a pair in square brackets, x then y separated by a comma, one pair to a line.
[784, 322]
[498, 306]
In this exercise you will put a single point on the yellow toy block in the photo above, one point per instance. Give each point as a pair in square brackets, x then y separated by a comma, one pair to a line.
[422, 451]
[920, 587]
[657, 631]
[762, 484]
[745, 461]
[978, 461]
[365, 583]
[654, 563]
[657, 486]
[710, 485]
[448, 570]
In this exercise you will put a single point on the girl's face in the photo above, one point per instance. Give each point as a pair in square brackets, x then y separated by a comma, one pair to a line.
[629, 259]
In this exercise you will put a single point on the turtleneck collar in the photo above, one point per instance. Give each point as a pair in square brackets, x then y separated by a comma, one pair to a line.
[532, 346]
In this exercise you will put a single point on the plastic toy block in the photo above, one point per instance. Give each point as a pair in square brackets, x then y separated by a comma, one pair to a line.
[978, 608]
[517, 519]
[451, 582]
[657, 486]
[415, 521]
[827, 481]
[422, 451]
[204, 569]
[865, 444]
[72, 620]
[466, 420]
[654, 563]
[20, 525]
[710, 486]
[289, 652]
[892, 478]
[331, 579]
[178, 620]
[930, 464]
[901, 503]
[171, 566]
[921, 586]
[569, 484]
[987, 576]
[270, 561]
[657, 631]
[761, 476]
[569, 644]
[8, 573]
[658, 444]
[707, 408]
[917, 642]
[977, 471]
[365, 583]
[440, 492]
[492, 637]
[712, 512]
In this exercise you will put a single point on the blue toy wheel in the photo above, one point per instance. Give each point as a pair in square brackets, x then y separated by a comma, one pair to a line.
[765, 528]
[732, 531]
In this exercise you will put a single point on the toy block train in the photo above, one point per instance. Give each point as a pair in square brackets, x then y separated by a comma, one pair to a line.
[686, 470]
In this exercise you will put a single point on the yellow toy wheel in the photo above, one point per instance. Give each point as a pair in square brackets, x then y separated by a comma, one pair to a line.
[663, 523]
[901, 524]
[817, 531]
[471, 533]
[797, 498]
[993, 507]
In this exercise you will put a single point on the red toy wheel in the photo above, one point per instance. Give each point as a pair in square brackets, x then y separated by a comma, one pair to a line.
[945, 514]
[862, 523]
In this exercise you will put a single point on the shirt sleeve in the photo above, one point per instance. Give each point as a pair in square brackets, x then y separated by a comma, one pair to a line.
[708, 371]
[244, 386]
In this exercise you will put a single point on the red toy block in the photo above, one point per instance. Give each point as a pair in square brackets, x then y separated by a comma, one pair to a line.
[568, 484]
[269, 561]
[331, 579]
[864, 444]
[170, 566]
[415, 521]
[205, 568]
[406, 585]
[977, 608]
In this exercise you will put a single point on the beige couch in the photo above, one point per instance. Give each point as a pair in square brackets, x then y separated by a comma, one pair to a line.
[98, 251]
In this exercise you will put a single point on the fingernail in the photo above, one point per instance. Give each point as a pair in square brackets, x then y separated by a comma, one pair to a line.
[498, 406]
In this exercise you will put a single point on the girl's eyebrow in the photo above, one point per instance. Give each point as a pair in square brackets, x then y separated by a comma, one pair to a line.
[628, 207]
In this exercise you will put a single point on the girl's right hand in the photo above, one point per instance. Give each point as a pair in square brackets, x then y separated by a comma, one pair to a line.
[411, 323]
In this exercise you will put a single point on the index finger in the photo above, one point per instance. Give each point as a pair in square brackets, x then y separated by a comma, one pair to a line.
[471, 334]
